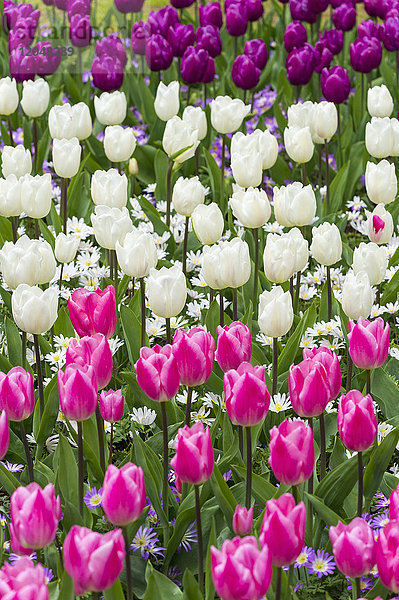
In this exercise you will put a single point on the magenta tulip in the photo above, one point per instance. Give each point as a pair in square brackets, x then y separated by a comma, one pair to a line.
[4, 434]
[123, 496]
[309, 388]
[330, 362]
[17, 397]
[387, 552]
[357, 423]
[194, 459]
[94, 561]
[35, 513]
[353, 547]
[93, 311]
[283, 529]
[78, 392]
[243, 520]
[23, 581]
[368, 342]
[194, 352]
[234, 345]
[240, 571]
[112, 405]
[16, 546]
[157, 374]
[292, 452]
[394, 505]
[246, 394]
[92, 350]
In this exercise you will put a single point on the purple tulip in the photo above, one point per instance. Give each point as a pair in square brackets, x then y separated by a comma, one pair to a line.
[335, 84]
[22, 66]
[211, 14]
[323, 56]
[318, 6]
[129, 6]
[209, 74]
[141, 32]
[390, 35]
[370, 28]
[21, 34]
[366, 54]
[375, 8]
[236, 20]
[300, 64]
[180, 37]
[107, 73]
[80, 32]
[256, 50]
[61, 4]
[245, 73]
[301, 11]
[162, 19]
[333, 39]
[112, 45]
[295, 36]
[78, 7]
[344, 17]
[208, 37]
[193, 64]
[158, 53]
[181, 3]
[254, 10]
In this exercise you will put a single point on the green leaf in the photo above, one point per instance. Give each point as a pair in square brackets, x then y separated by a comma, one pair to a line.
[115, 592]
[214, 173]
[337, 188]
[190, 587]
[325, 513]
[378, 463]
[385, 392]
[262, 489]
[209, 587]
[223, 495]
[66, 471]
[292, 349]
[8, 480]
[67, 591]
[132, 333]
[50, 414]
[391, 290]
[160, 587]
[14, 343]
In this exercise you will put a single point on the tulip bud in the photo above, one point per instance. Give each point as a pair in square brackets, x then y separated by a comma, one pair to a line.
[95, 351]
[93, 311]
[167, 101]
[23, 579]
[112, 405]
[167, 291]
[393, 504]
[10, 196]
[179, 140]
[35, 97]
[66, 247]
[157, 374]
[36, 195]
[326, 119]
[208, 223]
[386, 552]
[298, 143]
[357, 295]
[326, 245]
[330, 362]
[234, 345]
[194, 459]
[276, 314]
[82, 120]
[133, 166]
[123, 497]
[227, 114]
[247, 168]
[17, 397]
[372, 259]
[109, 188]
[110, 108]
[381, 182]
[243, 520]
[61, 122]
[195, 118]
[379, 137]
[16, 160]
[335, 84]
[66, 157]
[292, 452]
[119, 143]
[4, 434]
[251, 207]
[279, 258]
[188, 193]
[294, 204]
[8, 96]
[78, 391]
[194, 352]
[137, 253]
[379, 101]
[309, 388]
[110, 225]
[34, 310]
[353, 547]
[379, 225]
[357, 423]
[246, 394]
[369, 343]
[226, 264]
[267, 146]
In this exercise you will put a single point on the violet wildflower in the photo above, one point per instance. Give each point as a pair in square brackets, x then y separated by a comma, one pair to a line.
[93, 498]
[321, 563]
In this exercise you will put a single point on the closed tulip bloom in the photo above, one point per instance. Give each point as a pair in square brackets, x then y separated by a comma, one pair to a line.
[23, 581]
[35, 97]
[256, 50]
[194, 459]
[300, 248]
[137, 254]
[309, 388]
[386, 555]
[16, 160]
[47, 260]
[188, 193]
[353, 547]
[357, 423]
[110, 107]
[34, 310]
[61, 122]
[194, 351]
[66, 157]
[10, 196]
[227, 114]
[110, 225]
[276, 314]
[226, 264]
[379, 137]
[35, 513]
[369, 342]
[301, 114]
[394, 505]
[236, 19]
[283, 529]
[157, 374]
[326, 119]
[78, 391]
[335, 84]
[247, 168]
[300, 63]
[82, 120]
[381, 182]
[245, 74]
[243, 520]
[167, 291]
[109, 188]
[123, 497]
[119, 143]
[211, 14]
[179, 140]
[278, 258]
[330, 362]
[92, 350]
[208, 223]
[294, 204]
[344, 16]
[93, 560]
[251, 207]
[36, 195]
[379, 225]
[326, 245]
[167, 100]
[292, 452]
[180, 37]
[357, 295]
[208, 37]
[66, 247]
[246, 395]
[195, 118]
[365, 54]
[8, 96]
[379, 101]
[4, 434]
[93, 311]
[298, 143]
[295, 35]
[395, 136]
[234, 345]
[240, 571]
[107, 73]
[17, 397]
[372, 259]
[21, 262]
[112, 405]
[267, 147]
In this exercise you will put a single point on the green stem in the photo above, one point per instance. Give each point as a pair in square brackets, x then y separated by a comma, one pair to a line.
[297, 289]
[327, 179]
[368, 381]
[241, 439]
[256, 272]
[222, 172]
[127, 563]
[200, 543]
[275, 366]
[235, 315]
[111, 443]
[322, 447]
[115, 262]
[12, 143]
[294, 490]
[29, 462]
[64, 203]
[61, 273]
[360, 484]
[168, 192]
[277, 594]
[357, 585]
[248, 492]
[304, 177]
[168, 332]
[221, 309]
[184, 252]
[23, 357]
[165, 471]
[80, 466]
[188, 406]
[349, 374]
[39, 374]
[14, 227]
[329, 294]
[100, 433]
[142, 298]
[35, 145]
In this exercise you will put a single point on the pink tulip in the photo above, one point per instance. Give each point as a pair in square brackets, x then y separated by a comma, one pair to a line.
[394, 505]
[292, 452]
[16, 546]
[35, 513]
[283, 529]
[112, 405]
[194, 459]
[78, 392]
[246, 395]
[92, 350]
[330, 362]
[240, 571]
[194, 351]
[94, 561]
[357, 423]
[17, 397]
[243, 520]
[387, 552]
[353, 547]
[234, 345]
[309, 388]
[4, 434]
[123, 496]
[368, 342]
[157, 373]
[93, 311]
[23, 581]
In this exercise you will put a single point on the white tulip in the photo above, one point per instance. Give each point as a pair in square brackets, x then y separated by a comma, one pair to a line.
[294, 204]
[110, 225]
[379, 225]
[228, 114]
[66, 247]
[300, 248]
[82, 120]
[247, 168]
[379, 137]
[276, 314]
[177, 136]
[35, 97]
[110, 107]
[195, 118]
[137, 254]
[36, 195]
[381, 182]
[268, 147]
[379, 101]
[325, 118]
[61, 122]
[34, 310]
[251, 207]
[10, 196]
[298, 143]
[326, 245]
[226, 264]
[372, 259]
[357, 295]
[167, 291]
[208, 223]
[188, 193]
[279, 258]
[167, 100]
[16, 160]
[8, 96]
[109, 188]
[66, 157]
[27, 261]
[119, 143]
